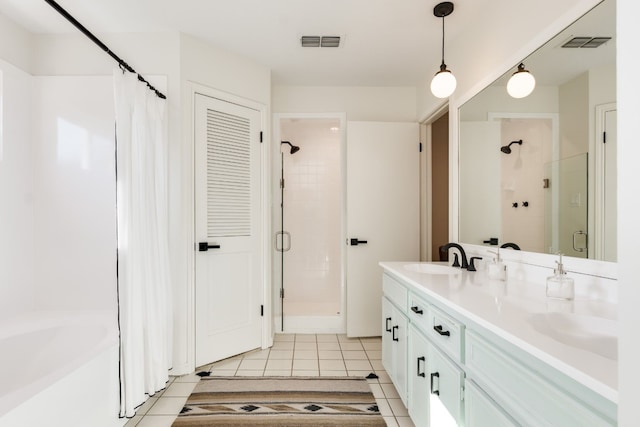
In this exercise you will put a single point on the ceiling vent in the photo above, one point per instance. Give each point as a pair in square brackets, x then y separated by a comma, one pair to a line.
[320, 41]
[586, 42]
[310, 41]
[330, 41]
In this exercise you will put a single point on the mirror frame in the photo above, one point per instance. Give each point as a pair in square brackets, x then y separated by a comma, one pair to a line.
[545, 35]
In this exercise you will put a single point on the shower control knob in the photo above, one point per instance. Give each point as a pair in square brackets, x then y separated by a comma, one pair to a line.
[356, 242]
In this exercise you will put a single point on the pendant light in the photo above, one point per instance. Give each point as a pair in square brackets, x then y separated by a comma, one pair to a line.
[444, 82]
[522, 83]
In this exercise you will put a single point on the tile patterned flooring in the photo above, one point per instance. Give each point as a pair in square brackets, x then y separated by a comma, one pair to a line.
[291, 355]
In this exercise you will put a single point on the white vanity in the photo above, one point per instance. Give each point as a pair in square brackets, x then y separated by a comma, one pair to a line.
[496, 353]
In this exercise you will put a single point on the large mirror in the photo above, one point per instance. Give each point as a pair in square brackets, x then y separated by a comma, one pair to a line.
[536, 171]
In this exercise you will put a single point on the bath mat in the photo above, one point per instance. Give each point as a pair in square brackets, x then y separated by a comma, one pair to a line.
[280, 401]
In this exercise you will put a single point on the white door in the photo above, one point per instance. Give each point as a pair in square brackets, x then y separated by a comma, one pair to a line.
[227, 221]
[610, 186]
[383, 210]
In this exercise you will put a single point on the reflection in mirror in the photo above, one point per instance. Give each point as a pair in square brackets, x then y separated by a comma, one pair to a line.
[535, 171]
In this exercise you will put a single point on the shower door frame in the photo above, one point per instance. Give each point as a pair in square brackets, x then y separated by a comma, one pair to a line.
[275, 167]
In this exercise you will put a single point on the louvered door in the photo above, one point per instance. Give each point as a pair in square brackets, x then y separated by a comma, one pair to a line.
[227, 183]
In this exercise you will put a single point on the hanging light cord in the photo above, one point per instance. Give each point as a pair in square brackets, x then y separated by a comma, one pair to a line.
[442, 65]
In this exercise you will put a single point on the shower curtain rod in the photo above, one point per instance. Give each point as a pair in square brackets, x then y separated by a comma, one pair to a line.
[102, 46]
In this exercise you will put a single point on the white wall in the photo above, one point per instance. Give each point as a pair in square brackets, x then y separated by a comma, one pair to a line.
[480, 181]
[16, 193]
[628, 33]
[15, 44]
[574, 116]
[495, 99]
[390, 104]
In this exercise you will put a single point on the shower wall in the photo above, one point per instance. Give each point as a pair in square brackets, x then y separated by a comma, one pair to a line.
[16, 193]
[522, 178]
[57, 194]
[313, 216]
[74, 193]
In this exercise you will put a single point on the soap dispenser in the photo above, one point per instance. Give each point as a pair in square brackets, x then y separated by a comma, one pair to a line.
[560, 286]
[497, 270]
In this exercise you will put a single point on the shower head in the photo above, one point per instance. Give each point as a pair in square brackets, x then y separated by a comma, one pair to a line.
[507, 148]
[294, 148]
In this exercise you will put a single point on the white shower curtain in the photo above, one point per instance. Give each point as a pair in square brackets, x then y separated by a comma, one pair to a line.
[144, 293]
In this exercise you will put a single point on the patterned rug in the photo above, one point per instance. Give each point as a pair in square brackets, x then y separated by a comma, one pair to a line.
[281, 401]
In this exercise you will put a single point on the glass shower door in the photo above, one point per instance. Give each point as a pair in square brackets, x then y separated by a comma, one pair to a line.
[566, 215]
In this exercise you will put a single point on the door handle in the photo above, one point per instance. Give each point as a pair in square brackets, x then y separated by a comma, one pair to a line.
[420, 359]
[393, 333]
[356, 242]
[433, 390]
[417, 310]
[386, 324]
[205, 246]
[438, 329]
[282, 247]
[578, 233]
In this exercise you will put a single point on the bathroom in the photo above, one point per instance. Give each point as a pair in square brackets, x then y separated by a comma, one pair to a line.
[31, 62]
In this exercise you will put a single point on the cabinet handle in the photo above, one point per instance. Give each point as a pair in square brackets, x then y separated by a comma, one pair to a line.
[416, 310]
[420, 359]
[393, 333]
[433, 391]
[438, 329]
[386, 324]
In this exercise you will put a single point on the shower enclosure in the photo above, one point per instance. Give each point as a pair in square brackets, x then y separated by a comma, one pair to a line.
[566, 214]
[308, 217]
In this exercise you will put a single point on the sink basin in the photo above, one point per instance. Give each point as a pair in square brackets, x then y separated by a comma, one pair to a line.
[594, 334]
[427, 268]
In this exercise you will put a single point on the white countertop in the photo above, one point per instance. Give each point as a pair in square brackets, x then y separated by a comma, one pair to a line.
[509, 308]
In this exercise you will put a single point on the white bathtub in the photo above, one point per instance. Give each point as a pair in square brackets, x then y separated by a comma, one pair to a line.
[59, 369]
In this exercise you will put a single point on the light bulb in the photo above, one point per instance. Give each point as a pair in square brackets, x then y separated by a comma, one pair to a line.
[443, 83]
[521, 84]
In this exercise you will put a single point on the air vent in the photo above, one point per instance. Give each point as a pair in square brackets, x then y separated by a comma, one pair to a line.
[310, 41]
[320, 41]
[586, 42]
[330, 41]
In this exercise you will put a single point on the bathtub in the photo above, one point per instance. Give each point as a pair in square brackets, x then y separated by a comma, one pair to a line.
[59, 369]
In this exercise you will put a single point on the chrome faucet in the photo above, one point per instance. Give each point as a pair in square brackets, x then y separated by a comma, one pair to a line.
[463, 255]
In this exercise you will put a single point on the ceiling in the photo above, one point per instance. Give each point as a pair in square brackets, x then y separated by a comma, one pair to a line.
[384, 42]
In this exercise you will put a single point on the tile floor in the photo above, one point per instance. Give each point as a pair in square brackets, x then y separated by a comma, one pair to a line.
[291, 355]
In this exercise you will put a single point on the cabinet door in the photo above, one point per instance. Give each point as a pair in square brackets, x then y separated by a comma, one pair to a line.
[446, 382]
[399, 354]
[418, 378]
[387, 318]
[394, 346]
[481, 411]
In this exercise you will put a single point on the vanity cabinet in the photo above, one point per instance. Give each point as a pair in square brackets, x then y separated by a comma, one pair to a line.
[482, 411]
[416, 365]
[432, 351]
[394, 337]
[528, 392]
[447, 383]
